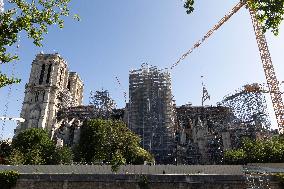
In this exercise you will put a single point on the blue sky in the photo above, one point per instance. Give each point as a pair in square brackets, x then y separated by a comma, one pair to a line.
[114, 37]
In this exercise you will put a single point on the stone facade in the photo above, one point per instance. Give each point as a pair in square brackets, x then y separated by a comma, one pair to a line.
[75, 86]
[174, 135]
[205, 132]
[51, 86]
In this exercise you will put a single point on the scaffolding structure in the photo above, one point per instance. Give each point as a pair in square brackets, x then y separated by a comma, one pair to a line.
[151, 111]
[249, 106]
[205, 132]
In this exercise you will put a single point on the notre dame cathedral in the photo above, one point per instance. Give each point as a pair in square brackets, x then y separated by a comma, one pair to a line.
[51, 87]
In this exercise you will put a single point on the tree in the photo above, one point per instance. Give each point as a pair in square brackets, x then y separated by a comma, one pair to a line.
[269, 13]
[103, 103]
[111, 142]
[235, 157]
[34, 146]
[5, 151]
[64, 155]
[33, 17]
[257, 151]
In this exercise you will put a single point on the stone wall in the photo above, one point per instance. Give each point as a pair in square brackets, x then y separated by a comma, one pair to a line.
[113, 181]
[155, 176]
[131, 169]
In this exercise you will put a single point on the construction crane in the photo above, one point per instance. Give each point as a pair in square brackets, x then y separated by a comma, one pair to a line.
[271, 79]
[258, 88]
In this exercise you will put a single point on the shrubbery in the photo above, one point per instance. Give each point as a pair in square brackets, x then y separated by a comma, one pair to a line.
[8, 179]
[257, 151]
[34, 146]
[111, 142]
[101, 141]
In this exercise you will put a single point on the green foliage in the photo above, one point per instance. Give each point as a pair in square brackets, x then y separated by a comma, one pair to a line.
[235, 156]
[280, 178]
[34, 146]
[269, 12]
[143, 182]
[4, 80]
[8, 178]
[188, 5]
[32, 17]
[257, 151]
[107, 141]
[64, 155]
[5, 151]
[16, 157]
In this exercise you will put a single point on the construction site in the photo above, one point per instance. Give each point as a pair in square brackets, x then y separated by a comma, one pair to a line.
[151, 111]
[185, 134]
[174, 134]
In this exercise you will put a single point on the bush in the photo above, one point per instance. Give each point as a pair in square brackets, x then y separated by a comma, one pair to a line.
[111, 142]
[34, 147]
[280, 178]
[5, 151]
[235, 157]
[257, 151]
[8, 179]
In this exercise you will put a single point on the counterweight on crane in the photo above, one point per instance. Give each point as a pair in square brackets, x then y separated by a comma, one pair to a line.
[268, 67]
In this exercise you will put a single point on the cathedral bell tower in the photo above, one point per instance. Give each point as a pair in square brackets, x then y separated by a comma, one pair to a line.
[48, 77]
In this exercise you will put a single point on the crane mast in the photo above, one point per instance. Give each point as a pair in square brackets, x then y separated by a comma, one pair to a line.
[271, 79]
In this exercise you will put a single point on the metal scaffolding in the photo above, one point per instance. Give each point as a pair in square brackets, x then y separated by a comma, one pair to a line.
[249, 106]
[151, 111]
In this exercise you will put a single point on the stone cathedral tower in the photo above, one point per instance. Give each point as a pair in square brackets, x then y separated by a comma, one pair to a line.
[51, 87]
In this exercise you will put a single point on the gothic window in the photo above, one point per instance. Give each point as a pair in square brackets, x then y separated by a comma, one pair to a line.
[68, 86]
[48, 73]
[41, 74]
[36, 96]
[34, 118]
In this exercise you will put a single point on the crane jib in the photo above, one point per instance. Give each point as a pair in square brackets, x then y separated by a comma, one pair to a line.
[271, 79]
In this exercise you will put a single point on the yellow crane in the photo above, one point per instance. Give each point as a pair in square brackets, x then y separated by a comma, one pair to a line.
[271, 79]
